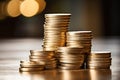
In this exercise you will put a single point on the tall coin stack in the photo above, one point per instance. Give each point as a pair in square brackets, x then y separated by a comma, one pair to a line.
[47, 57]
[99, 60]
[55, 28]
[80, 38]
[70, 58]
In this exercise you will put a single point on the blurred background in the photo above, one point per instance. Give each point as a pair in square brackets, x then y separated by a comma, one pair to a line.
[100, 16]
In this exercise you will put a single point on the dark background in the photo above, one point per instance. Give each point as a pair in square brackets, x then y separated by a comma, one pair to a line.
[100, 16]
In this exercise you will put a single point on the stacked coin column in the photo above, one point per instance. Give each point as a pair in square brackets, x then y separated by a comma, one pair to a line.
[70, 58]
[55, 28]
[99, 60]
[47, 57]
[30, 66]
[80, 39]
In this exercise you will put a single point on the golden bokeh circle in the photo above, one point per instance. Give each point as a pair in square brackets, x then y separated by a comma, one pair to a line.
[29, 8]
[13, 8]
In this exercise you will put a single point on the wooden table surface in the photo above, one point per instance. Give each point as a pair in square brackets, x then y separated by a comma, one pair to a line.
[14, 50]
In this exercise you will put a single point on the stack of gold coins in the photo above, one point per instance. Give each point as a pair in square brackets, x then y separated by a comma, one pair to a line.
[28, 66]
[55, 28]
[78, 39]
[70, 57]
[99, 60]
[48, 57]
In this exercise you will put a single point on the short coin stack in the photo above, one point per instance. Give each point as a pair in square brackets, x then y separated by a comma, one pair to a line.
[99, 60]
[55, 28]
[28, 66]
[80, 38]
[48, 57]
[70, 58]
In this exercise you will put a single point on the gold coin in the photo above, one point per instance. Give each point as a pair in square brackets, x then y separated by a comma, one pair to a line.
[78, 32]
[97, 67]
[70, 61]
[58, 15]
[100, 54]
[49, 35]
[78, 38]
[42, 59]
[27, 10]
[59, 27]
[79, 35]
[43, 56]
[85, 46]
[55, 32]
[56, 26]
[73, 52]
[53, 29]
[50, 49]
[99, 64]
[70, 56]
[49, 41]
[70, 49]
[71, 65]
[108, 61]
[57, 20]
[54, 35]
[41, 53]
[79, 43]
[54, 43]
[32, 65]
[73, 45]
[99, 59]
[68, 68]
[30, 69]
[28, 62]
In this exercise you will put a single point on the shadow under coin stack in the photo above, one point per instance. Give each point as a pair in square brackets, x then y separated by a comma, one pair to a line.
[48, 57]
[55, 28]
[99, 60]
[28, 66]
[70, 58]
